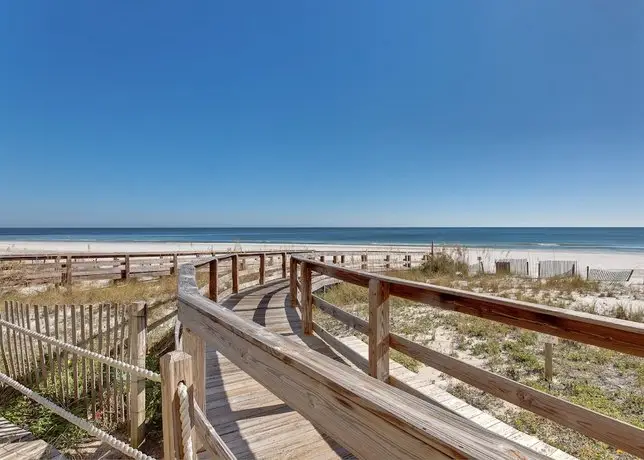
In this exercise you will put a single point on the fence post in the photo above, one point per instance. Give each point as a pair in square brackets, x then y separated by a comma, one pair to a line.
[138, 349]
[235, 272]
[587, 272]
[213, 288]
[342, 258]
[379, 329]
[388, 260]
[335, 259]
[548, 363]
[176, 367]
[539, 270]
[175, 264]
[293, 282]
[283, 265]
[307, 300]
[363, 257]
[322, 258]
[68, 271]
[125, 273]
[262, 268]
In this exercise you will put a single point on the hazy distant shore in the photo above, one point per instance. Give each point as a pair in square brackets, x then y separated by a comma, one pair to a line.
[595, 259]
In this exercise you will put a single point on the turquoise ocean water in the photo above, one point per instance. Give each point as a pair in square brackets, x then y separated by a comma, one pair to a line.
[588, 238]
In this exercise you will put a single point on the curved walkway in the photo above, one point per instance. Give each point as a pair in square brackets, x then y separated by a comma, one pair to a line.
[252, 421]
[255, 424]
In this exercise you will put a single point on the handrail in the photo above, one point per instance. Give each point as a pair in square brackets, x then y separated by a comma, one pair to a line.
[99, 255]
[612, 333]
[366, 416]
[620, 335]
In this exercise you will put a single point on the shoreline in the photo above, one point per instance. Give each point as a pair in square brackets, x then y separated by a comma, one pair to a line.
[584, 258]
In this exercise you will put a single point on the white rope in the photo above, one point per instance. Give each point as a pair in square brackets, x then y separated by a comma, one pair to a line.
[184, 415]
[86, 353]
[79, 422]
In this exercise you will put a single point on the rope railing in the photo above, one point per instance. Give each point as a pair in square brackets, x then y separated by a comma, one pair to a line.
[79, 422]
[148, 374]
[186, 424]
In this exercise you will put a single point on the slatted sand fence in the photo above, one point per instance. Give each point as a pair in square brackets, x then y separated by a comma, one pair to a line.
[78, 356]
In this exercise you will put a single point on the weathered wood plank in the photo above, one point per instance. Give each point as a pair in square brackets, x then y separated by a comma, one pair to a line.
[138, 350]
[379, 330]
[176, 367]
[350, 320]
[307, 299]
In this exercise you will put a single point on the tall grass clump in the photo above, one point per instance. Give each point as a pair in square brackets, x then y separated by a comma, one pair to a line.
[571, 284]
[445, 263]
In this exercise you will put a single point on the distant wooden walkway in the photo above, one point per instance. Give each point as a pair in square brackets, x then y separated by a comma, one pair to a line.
[255, 424]
[19, 444]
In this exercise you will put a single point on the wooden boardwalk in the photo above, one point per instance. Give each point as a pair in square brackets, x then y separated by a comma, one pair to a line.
[255, 424]
[19, 444]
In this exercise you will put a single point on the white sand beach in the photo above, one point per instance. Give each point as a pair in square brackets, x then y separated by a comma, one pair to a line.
[603, 260]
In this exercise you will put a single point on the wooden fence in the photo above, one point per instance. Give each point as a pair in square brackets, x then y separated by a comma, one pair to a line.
[38, 348]
[65, 268]
[619, 335]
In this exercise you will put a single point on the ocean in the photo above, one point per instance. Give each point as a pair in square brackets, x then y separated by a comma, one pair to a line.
[622, 239]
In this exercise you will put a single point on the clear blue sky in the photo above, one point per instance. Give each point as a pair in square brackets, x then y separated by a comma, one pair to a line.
[340, 112]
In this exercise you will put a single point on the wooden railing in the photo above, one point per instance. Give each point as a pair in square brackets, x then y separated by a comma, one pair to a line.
[623, 336]
[365, 415]
[65, 268]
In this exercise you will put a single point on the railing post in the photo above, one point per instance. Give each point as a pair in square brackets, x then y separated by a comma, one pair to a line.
[68, 271]
[548, 361]
[262, 268]
[283, 265]
[342, 258]
[125, 273]
[322, 258]
[293, 282]
[307, 299]
[138, 350]
[379, 329]
[388, 260]
[176, 367]
[213, 288]
[335, 259]
[195, 346]
[235, 272]
[175, 264]
[363, 257]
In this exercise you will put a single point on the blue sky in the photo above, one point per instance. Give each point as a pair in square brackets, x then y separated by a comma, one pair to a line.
[322, 113]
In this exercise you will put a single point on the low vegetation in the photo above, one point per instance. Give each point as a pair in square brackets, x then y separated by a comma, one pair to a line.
[160, 295]
[605, 381]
